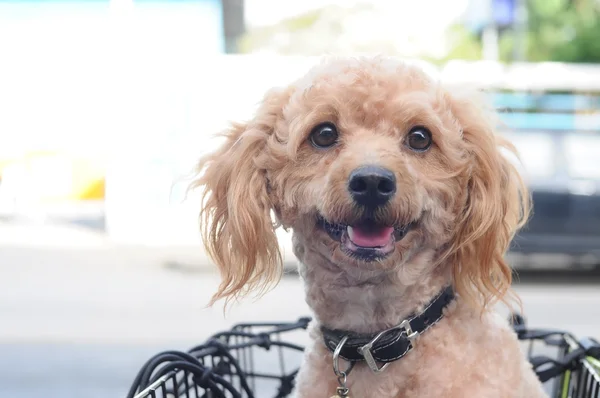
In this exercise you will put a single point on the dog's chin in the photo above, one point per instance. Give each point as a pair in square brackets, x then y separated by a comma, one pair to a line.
[365, 240]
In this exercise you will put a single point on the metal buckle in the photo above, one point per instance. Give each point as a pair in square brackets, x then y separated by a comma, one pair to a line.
[365, 350]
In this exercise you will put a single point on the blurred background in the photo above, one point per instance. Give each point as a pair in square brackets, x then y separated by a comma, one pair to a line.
[105, 105]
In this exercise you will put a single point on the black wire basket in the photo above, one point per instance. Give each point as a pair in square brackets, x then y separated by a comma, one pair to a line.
[262, 360]
[568, 367]
[253, 359]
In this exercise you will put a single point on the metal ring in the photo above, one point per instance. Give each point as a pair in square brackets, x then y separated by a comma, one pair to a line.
[336, 358]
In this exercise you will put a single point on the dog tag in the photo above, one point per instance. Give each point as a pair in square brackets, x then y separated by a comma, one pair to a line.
[342, 392]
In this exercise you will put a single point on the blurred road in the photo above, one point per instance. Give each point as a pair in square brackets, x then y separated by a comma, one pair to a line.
[79, 320]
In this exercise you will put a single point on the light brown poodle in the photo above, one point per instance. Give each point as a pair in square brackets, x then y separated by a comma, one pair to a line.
[396, 190]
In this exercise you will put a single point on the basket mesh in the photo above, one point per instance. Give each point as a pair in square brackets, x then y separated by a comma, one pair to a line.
[569, 368]
[247, 361]
[262, 360]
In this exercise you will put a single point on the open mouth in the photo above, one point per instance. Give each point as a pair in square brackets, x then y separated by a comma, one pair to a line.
[366, 240]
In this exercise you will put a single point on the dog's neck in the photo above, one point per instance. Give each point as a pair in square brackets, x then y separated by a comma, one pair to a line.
[368, 301]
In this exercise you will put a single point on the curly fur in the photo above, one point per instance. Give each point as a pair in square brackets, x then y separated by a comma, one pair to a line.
[468, 199]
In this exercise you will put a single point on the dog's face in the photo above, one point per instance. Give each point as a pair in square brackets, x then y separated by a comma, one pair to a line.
[377, 167]
[371, 163]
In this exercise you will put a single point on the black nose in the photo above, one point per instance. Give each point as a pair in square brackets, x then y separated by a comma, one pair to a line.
[372, 186]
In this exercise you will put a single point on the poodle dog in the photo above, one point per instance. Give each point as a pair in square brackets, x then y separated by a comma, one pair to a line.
[402, 206]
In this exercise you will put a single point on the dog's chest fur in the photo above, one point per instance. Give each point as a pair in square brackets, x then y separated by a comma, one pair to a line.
[464, 355]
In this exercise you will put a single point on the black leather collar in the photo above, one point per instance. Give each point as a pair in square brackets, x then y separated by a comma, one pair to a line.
[391, 344]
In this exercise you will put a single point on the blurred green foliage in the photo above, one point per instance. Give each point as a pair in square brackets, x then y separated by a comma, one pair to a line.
[263, 37]
[556, 30]
[563, 30]
[463, 45]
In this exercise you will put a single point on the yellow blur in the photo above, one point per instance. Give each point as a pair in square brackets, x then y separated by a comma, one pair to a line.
[51, 177]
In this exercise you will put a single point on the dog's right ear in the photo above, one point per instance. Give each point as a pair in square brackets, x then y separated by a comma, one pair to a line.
[237, 229]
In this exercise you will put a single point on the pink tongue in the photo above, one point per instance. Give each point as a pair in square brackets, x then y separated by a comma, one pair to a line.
[370, 237]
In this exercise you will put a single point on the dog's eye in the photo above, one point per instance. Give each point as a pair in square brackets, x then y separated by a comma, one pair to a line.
[324, 135]
[419, 139]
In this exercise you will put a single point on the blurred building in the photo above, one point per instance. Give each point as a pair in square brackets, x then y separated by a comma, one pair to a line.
[74, 75]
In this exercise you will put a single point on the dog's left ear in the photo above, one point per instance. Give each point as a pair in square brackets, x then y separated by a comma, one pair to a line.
[497, 204]
[237, 228]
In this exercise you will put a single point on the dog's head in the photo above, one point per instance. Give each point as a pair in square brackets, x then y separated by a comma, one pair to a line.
[371, 163]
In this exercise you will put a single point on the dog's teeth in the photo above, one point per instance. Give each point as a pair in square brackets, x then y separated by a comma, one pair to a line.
[350, 232]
